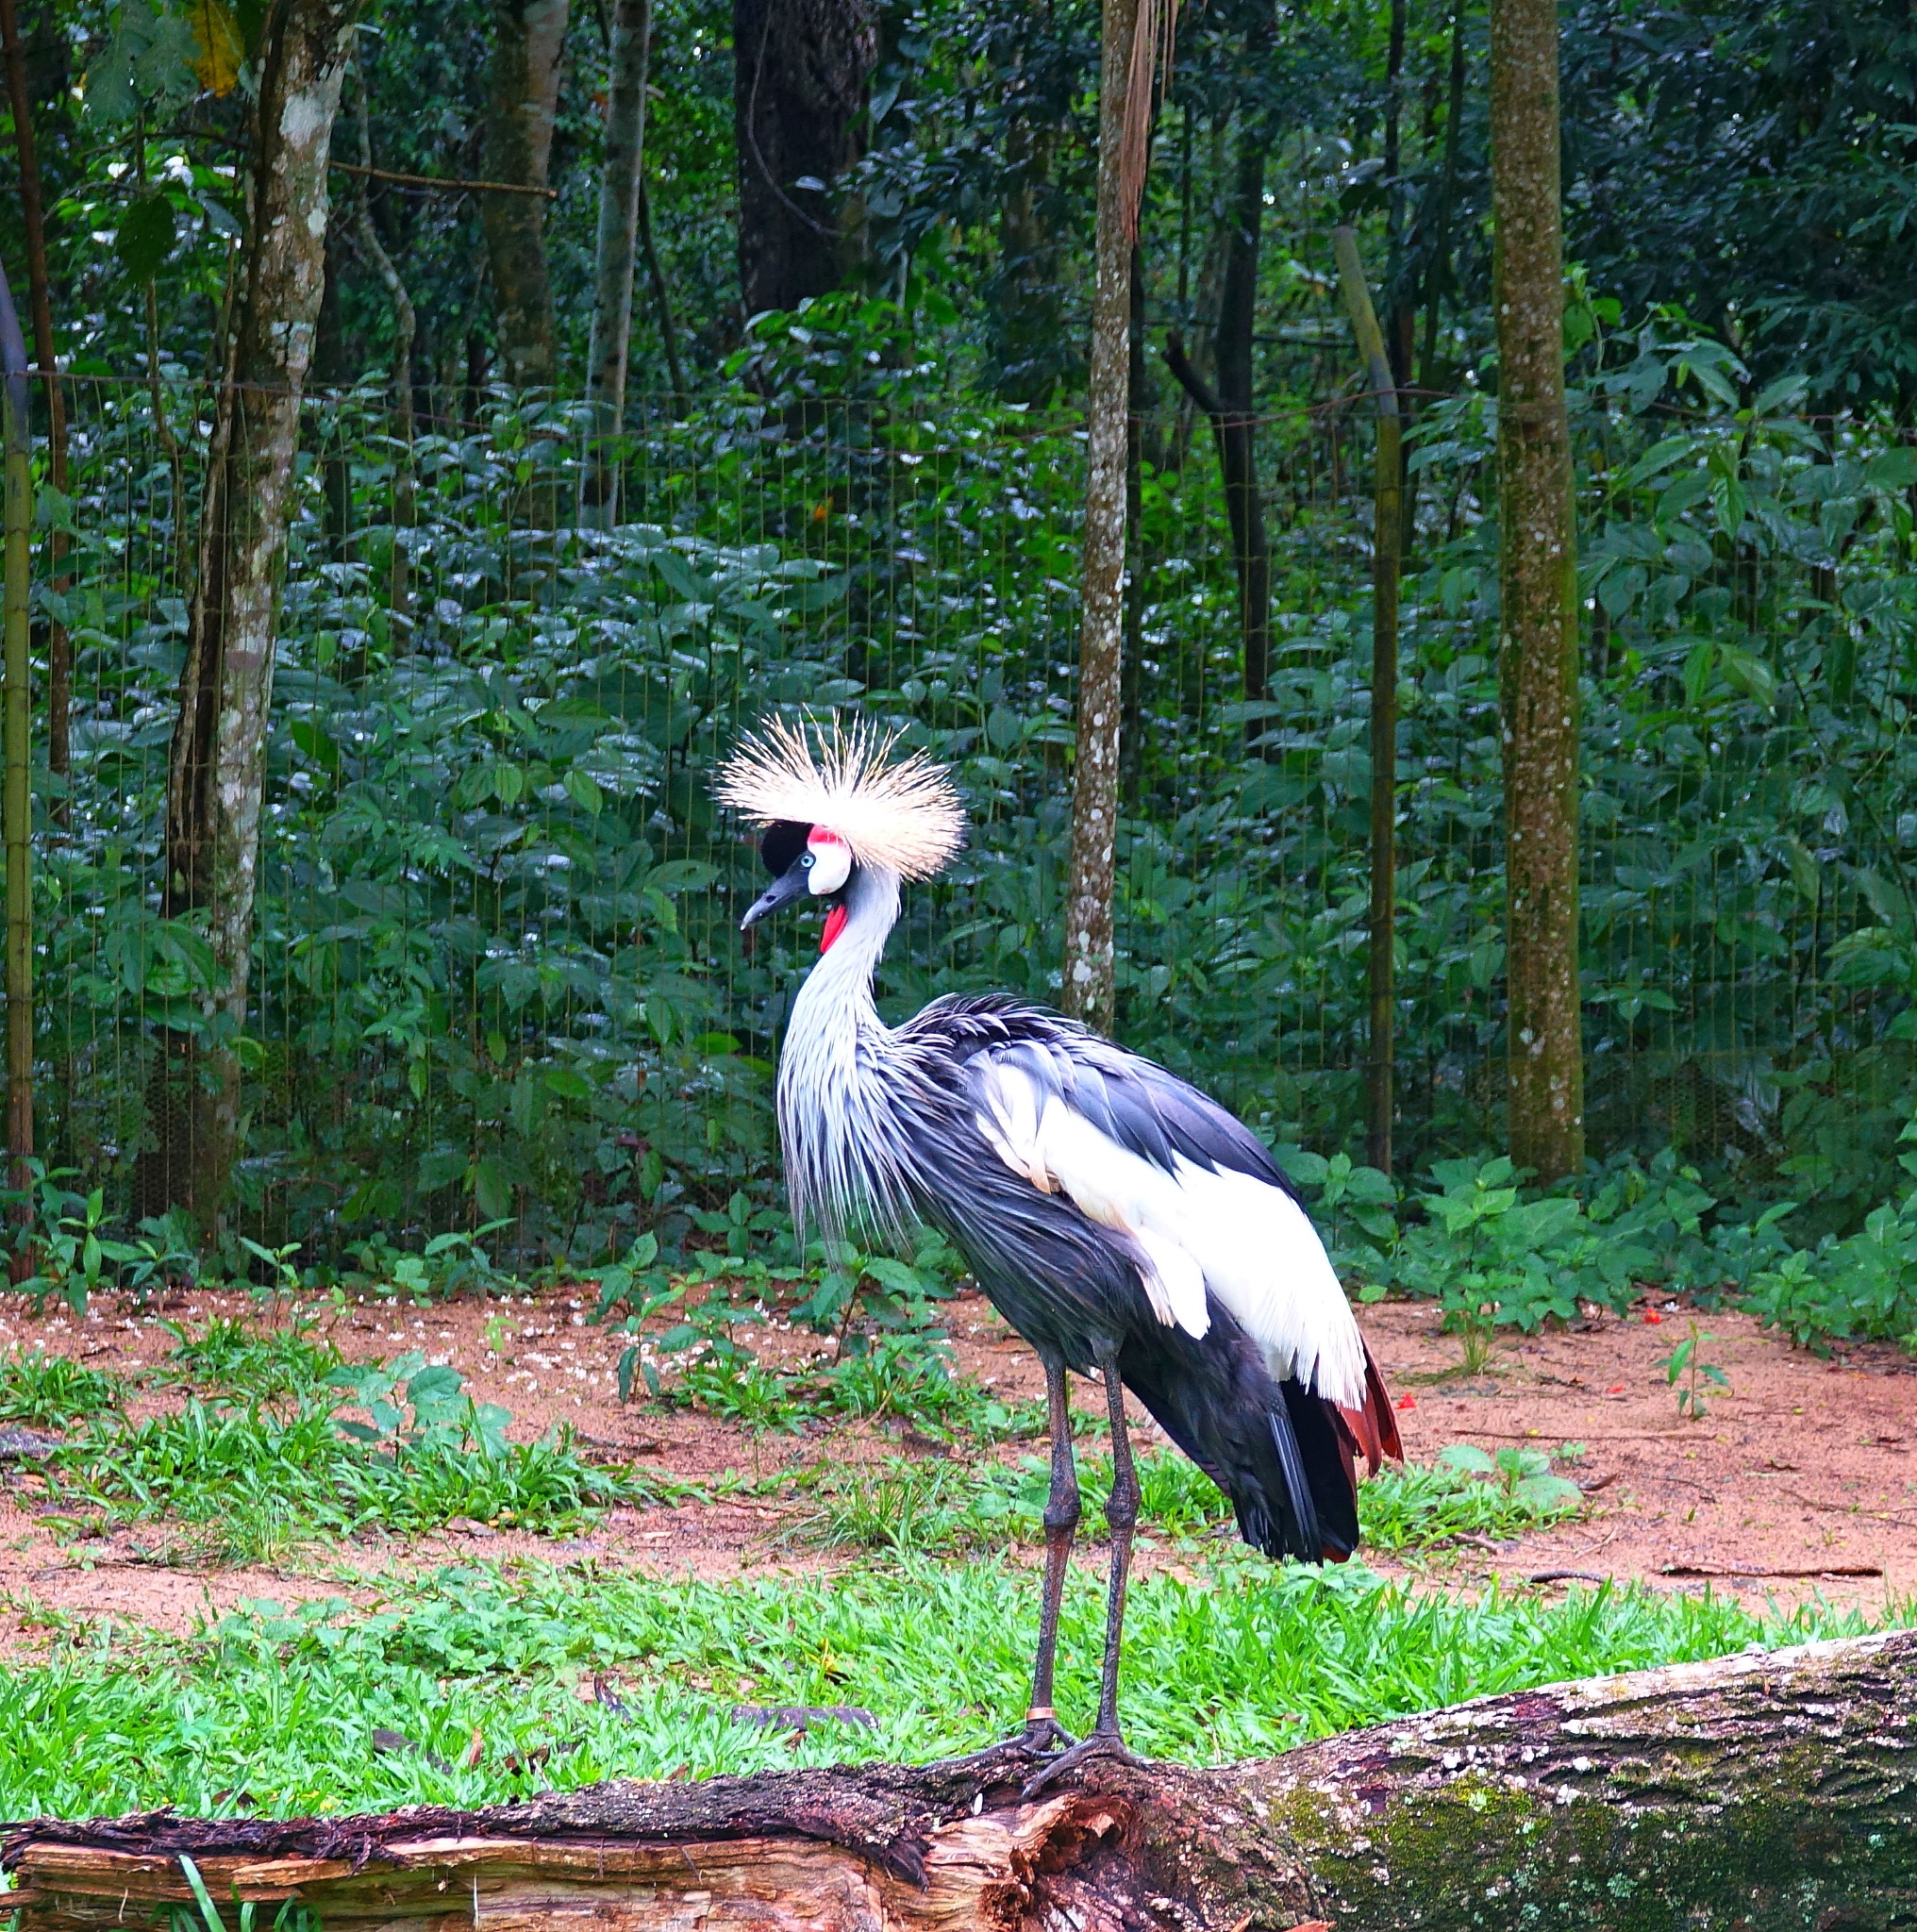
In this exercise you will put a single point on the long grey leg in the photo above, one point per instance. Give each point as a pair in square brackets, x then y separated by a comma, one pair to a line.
[1062, 1521]
[1121, 1514]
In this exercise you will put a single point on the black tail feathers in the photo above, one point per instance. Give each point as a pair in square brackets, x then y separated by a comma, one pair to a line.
[1273, 1448]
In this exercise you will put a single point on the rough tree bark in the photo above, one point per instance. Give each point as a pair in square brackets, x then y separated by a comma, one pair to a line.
[523, 96]
[217, 768]
[619, 200]
[1088, 993]
[1538, 589]
[801, 72]
[1766, 1793]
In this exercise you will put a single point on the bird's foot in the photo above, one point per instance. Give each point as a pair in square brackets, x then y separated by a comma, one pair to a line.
[1041, 1736]
[1108, 1746]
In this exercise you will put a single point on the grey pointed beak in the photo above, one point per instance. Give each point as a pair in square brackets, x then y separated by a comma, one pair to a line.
[791, 884]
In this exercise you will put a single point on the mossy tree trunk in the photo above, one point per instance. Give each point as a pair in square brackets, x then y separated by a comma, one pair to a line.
[1538, 587]
[523, 97]
[1766, 1793]
[217, 767]
[1088, 991]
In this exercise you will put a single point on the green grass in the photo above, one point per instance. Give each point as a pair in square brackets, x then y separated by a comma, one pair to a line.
[51, 1392]
[281, 1706]
[950, 1509]
[253, 1484]
[257, 1463]
[236, 1359]
[901, 1379]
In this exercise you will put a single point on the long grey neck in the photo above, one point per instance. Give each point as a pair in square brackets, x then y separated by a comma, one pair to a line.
[836, 998]
[836, 1113]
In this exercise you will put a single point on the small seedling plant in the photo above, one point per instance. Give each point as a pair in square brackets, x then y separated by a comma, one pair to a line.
[1524, 1476]
[1687, 1364]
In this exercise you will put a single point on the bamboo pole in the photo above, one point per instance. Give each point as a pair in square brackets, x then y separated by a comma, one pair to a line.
[59, 657]
[1387, 555]
[16, 802]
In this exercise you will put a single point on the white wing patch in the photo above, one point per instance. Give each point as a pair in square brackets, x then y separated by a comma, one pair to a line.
[1192, 1229]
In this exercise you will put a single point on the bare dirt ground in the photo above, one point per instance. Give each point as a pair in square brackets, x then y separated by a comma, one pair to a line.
[1801, 1478]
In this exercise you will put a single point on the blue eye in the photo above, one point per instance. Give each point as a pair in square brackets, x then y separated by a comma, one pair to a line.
[807, 862]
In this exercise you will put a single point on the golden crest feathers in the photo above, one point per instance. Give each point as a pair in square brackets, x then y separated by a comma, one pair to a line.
[901, 814]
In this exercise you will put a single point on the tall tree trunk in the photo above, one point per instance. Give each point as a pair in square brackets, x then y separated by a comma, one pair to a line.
[1236, 426]
[1438, 261]
[1398, 336]
[1232, 411]
[16, 794]
[1089, 990]
[217, 770]
[619, 200]
[1538, 590]
[1387, 544]
[1753, 1793]
[1026, 291]
[801, 72]
[662, 303]
[523, 96]
[330, 372]
[59, 666]
[1132, 675]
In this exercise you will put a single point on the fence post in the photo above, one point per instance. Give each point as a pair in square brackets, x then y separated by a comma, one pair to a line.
[16, 802]
[1386, 550]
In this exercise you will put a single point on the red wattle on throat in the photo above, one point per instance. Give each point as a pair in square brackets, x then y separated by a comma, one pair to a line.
[835, 925]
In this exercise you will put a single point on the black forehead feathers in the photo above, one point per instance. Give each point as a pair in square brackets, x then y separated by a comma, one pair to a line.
[784, 845]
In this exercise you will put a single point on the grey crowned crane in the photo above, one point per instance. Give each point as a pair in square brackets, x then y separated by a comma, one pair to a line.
[1120, 1220]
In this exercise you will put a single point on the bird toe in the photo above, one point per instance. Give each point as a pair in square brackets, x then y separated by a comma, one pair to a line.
[1106, 1747]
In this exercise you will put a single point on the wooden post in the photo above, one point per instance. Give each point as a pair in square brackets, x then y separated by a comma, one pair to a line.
[16, 802]
[1387, 555]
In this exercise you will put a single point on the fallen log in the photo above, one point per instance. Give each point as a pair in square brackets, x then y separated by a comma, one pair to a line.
[1757, 1792]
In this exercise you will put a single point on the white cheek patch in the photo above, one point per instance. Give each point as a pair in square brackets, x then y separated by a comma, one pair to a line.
[831, 861]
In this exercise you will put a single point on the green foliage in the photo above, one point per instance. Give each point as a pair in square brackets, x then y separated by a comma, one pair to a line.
[241, 1359]
[73, 1250]
[1687, 1363]
[272, 1708]
[506, 986]
[1522, 1477]
[53, 1391]
[263, 1461]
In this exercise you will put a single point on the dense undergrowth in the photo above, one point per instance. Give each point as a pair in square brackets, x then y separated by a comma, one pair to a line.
[496, 972]
[478, 1685]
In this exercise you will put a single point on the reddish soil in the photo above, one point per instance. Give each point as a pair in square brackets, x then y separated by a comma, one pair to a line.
[1803, 1470]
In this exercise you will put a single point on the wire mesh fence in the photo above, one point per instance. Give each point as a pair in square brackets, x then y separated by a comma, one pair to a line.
[496, 969]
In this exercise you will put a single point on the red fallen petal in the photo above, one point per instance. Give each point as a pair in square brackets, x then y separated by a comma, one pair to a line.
[1652, 1316]
[1616, 1389]
[1408, 1402]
